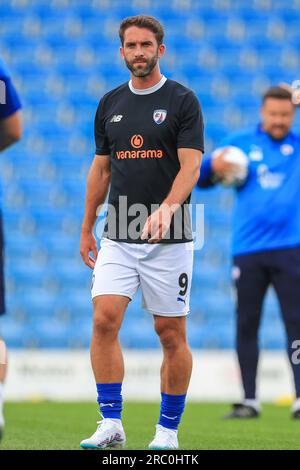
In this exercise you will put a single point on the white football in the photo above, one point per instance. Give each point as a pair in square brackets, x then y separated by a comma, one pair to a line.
[238, 174]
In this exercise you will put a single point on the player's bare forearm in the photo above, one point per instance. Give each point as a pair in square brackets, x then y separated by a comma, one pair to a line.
[187, 177]
[98, 181]
[97, 188]
[158, 223]
[10, 130]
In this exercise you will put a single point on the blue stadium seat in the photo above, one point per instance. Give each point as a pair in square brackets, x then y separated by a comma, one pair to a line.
[14, 332]
[64, 56]
[139, 334]
[273, 336]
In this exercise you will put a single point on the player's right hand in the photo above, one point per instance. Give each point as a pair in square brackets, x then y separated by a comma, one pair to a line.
[220, 166]
[88, 244]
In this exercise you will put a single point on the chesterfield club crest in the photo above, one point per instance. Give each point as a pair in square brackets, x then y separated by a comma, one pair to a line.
[159, 116]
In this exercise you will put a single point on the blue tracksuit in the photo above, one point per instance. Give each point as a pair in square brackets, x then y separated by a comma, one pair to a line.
[9, 104]
[265, 242]
[267, 209]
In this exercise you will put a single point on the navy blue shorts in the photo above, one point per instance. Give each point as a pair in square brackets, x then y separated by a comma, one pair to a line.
[2, 298]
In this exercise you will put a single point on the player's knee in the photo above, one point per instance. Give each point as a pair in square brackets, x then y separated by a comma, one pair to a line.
[169, 338]
[105, 323]
[247, 329]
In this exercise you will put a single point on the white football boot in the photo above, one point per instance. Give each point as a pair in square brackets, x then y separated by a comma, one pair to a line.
[165, 439]
[109, 434]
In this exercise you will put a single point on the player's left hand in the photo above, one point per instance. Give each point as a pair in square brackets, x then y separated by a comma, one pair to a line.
[157, 224]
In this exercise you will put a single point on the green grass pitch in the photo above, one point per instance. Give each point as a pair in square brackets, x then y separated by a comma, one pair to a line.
[50, 425]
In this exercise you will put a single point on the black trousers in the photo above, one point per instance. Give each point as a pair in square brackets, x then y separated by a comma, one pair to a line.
[253, 274]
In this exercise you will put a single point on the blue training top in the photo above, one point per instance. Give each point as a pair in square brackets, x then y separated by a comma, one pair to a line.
[9, 99]
[267, 208]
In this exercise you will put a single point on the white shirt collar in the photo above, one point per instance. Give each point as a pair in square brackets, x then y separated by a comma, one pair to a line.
[147, 91]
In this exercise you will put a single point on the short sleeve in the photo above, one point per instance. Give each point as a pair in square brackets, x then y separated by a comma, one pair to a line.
[191, 129]
[101, 141]
[9, 99]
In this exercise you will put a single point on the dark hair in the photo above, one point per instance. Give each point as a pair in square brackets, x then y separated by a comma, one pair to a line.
[277, 92]
[142, 21]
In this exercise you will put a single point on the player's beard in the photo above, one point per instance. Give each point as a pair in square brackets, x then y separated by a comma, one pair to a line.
[143, 71]
[284, 130]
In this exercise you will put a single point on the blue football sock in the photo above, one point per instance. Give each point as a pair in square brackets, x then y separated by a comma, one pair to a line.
[110, 400]
[171, 409]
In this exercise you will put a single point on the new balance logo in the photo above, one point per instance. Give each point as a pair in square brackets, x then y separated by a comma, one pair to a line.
[116, 118]
[170, 417]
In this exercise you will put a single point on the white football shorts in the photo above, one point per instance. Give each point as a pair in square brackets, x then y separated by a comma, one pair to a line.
[163, 271]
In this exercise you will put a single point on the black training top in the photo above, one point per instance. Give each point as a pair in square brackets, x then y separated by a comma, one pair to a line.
[141, 131]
